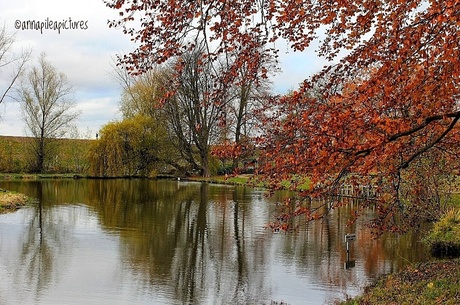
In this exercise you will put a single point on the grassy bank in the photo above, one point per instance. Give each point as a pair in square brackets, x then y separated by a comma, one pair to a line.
[11, 176]
[444, 238]
[231, 180]
[434, 282]
[10, 201]
[249, 180]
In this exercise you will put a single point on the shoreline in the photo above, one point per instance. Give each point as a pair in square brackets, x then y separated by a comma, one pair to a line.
[436, 281]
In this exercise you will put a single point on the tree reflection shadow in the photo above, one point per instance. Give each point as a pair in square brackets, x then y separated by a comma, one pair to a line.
[40, 257]
[196, 243]
[189, 240]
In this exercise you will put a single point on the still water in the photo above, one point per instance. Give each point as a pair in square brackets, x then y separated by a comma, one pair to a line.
[172, 242]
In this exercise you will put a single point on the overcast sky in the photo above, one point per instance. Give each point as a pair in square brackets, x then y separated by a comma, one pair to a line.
[86, 55]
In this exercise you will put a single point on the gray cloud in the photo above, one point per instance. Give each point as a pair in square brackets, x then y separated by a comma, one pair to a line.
[86, 57]
[84, 54]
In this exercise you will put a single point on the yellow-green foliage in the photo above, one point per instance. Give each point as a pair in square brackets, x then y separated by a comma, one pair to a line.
[455, 198]
[447, 229]
[129, 147]
[11, 201]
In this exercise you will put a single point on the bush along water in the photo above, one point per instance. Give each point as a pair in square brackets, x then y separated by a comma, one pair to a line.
[444, 238]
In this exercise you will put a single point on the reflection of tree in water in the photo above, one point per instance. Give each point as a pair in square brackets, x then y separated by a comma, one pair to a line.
[211, 258]
[319, 250]
[187, 239]
[187, 269]
[196, 241]
[44, 249]
[36, 256]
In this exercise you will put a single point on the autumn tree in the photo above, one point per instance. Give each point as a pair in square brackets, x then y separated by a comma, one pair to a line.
[12, 64]
[398, 73]
[47, 108]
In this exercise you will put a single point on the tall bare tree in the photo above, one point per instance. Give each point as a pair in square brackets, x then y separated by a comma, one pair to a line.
[251, 90]
[47, 108]
[11, 64]
[196, 108]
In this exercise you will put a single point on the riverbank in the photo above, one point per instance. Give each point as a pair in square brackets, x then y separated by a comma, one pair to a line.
[229, 180]
[10, 201]
[433, 282]
[13, 176]
[251, 180]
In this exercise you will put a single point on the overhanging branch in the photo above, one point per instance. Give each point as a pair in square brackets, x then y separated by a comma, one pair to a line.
[406, 163]
[428, 120]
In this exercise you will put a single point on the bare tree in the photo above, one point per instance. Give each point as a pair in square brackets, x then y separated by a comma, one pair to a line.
[250, 92]
[10, 63]
[195, 109]
[47, 108]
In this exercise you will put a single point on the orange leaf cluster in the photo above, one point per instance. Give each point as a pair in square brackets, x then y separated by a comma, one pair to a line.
[393, 99]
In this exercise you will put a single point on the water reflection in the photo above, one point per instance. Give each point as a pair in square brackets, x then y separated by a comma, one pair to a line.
[170, 242]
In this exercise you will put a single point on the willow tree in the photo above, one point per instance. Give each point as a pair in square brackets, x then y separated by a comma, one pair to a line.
[145, 95]
[47, 109]
[140, 144]
[131, 147]
[400, 76]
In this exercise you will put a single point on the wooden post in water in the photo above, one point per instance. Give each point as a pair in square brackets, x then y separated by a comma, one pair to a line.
[348, 238]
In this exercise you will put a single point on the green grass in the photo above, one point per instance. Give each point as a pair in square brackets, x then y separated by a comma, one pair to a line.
[233, 180]
[444, 237]
[299, 183]
[68, 155]
[15, 176]
[238, 179]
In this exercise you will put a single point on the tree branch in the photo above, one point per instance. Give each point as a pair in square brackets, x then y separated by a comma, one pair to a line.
[427, 121]
[406, 163]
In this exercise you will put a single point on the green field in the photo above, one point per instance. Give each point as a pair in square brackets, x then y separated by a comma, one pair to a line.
[66, 155]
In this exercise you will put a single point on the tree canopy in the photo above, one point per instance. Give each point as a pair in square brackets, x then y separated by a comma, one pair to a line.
[392, 99]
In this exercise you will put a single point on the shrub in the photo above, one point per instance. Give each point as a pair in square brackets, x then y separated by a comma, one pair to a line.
[444, 238]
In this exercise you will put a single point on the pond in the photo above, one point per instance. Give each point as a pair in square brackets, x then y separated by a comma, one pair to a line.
[174, 242]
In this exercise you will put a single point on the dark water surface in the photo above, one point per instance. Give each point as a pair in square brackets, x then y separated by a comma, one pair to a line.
[171, 242]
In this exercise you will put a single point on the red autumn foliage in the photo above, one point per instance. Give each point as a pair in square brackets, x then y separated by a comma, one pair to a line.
[389, 106]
